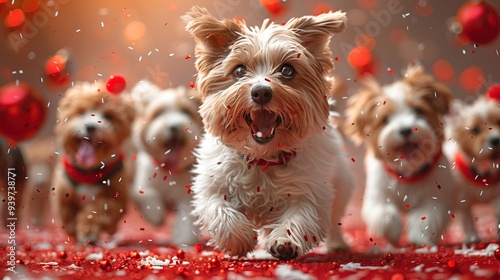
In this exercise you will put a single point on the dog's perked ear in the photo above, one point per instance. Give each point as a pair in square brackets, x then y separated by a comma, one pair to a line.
[436, 94]
[315, 33]
[360, 110]
[212, 36]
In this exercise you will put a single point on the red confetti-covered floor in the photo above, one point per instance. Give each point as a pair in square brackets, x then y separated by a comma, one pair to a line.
[139, 251]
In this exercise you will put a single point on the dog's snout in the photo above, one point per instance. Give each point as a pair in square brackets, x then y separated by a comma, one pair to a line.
[405, 132]
[261, 94]
[91, 129]
[494, 141]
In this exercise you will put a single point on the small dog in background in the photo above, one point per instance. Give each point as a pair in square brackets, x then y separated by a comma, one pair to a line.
[474, 151]
[12, 184]
[270, 163]
[40, 160]
[401, 124]
[91, 179]
[165, 134]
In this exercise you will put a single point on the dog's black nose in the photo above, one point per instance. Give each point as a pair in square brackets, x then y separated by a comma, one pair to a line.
[494, 141]
[261, 94]
[174, 128]
[91, 128]
[405, 132]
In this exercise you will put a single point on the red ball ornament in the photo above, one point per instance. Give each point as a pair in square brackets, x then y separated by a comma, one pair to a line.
[116, 84]
[362, 60]
[497, 253]
[22, 111]
[274, 7]
[56, 68]
[493, 93]
[479, 21]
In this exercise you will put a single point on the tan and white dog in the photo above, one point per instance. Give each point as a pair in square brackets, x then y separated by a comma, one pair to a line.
[407, 175]
[474, 151]
[91, 179]
[269, 164]
[165, 133]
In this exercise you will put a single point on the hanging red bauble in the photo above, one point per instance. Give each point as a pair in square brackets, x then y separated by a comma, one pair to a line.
[116, 84]
[56, 68]
[493, 93]
[274, 7]
[362, 60]
[479, 22]
[22, 111]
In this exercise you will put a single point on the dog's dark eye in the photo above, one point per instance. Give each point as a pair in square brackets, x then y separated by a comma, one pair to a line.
[239, 72]
[418, 111]
[108, 116]
[287, 71]
[475, 130]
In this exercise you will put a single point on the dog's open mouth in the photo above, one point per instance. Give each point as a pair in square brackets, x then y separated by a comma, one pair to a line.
[408, 149]
[263, 125]
[86, 154]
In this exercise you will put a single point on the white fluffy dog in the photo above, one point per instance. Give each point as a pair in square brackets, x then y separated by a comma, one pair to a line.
[270, 163]
[474, 150]
[401, 124]
[165, 133]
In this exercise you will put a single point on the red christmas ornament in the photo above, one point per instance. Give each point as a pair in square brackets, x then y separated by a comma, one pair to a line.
[493, 93]
[361, 59]
[22, 111]
[479, 21]
[56, 68]
[116, 84]
[274, 7]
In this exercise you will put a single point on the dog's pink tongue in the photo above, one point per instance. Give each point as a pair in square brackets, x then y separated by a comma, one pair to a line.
[170, 160]
[263, 123]
[85, 156]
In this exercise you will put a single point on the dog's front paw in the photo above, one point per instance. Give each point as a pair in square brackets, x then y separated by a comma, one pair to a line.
[385, 222]
[87, 232]
[284, 249]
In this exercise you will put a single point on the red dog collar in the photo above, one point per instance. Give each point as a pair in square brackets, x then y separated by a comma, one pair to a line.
[417, 176]
[283, 159]
[471, 175]
[78, 175]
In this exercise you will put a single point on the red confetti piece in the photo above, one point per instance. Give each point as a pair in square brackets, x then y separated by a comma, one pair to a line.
[415, 129]
[228, 107]
[188, 56]
[298, 55]
[451, 264]
[389, 258]
[180, 254]
[141, 229]
[258, 189]
[305, 238]
[141, 191]
[225, 197]
[264, 169]
[389, 70]
[407, 206]
[337, 58]
[452, 216]
[267, 80]
[188, 188]
[63, 254]
[198, 247]
[134, 157]
[353, 159]
[288, 232]
[423, 218]
[117, 194]
[83, 197]
[124, 221]
[164, 177]
[497, 253]
[154, 175]
[192, 85]
[314, 239]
